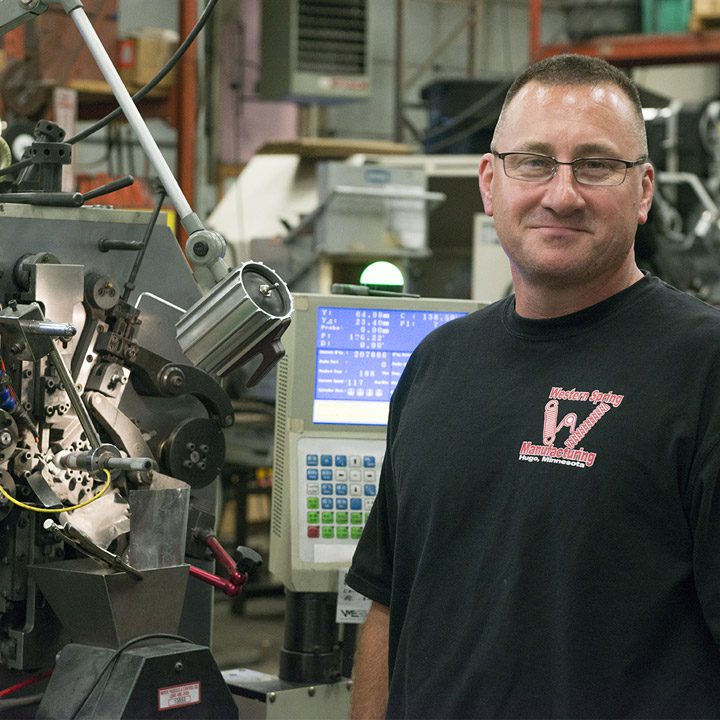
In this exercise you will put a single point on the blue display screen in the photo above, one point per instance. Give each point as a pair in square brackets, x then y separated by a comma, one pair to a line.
[360, 354]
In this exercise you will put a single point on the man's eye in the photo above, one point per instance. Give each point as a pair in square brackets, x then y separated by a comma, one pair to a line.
[535, 163]
[595, 165]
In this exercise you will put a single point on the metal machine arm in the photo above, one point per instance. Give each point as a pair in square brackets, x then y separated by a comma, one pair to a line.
[16, 12]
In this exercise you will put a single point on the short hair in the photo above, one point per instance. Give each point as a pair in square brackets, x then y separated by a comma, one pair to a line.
[570, 69]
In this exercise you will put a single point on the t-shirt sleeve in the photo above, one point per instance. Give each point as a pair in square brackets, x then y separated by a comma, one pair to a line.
[371, 571]
[372, 565]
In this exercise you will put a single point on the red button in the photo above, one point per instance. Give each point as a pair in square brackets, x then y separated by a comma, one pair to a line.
[313, 531]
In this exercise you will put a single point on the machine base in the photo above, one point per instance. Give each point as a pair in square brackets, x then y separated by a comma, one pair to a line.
[168, 680]
[260, 696]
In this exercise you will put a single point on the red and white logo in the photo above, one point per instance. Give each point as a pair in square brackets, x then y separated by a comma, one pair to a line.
[561, 436]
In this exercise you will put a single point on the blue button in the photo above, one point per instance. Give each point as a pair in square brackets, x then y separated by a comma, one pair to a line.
[341, 504]
[341, 460]
[311, 459]
[326, 475]
[369, 490]
[341, 489]
[369, 461]
[327, 503]
[326, 460]
[326, 489]
[312, 474]
[355, 504]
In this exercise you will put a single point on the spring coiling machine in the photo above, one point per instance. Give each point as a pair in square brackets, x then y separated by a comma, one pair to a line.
[112, 410]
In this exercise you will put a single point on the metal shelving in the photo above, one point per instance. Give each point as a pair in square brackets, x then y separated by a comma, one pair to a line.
[630, 50]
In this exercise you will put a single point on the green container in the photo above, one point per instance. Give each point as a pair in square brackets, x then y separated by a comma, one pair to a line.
[666, 16]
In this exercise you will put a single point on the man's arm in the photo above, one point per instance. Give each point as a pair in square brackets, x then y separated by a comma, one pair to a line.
[370, 672]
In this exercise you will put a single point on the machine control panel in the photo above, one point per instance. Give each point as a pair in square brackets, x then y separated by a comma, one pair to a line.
[338, 488]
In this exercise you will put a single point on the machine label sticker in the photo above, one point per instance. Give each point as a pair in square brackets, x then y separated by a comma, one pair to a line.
[566, 452]
[178, 696]
[352, 607]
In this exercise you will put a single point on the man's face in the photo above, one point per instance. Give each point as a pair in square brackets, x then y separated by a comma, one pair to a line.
[559, 232]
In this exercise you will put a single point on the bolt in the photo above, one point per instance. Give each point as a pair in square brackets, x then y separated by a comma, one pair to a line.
[202, 465]
[267, 289]
[187, 463]
[179, 667]
[204, 448]
[5, 439]
[17, 348]
[190, 446]
[311, 691]
[195, 456]
[349, 685]
[272, 697]
[201, 248]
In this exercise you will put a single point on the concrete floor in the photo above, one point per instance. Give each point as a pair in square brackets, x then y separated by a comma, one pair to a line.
[251, 639]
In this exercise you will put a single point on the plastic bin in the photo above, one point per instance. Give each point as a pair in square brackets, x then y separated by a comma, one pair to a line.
[590, 18]
[666, 16]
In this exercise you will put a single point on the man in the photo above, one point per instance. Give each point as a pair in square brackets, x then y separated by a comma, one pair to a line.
[546, 539]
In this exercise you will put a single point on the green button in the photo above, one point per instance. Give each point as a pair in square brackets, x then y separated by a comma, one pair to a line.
[356, 518]
[328, 518]
[342, 518]
[355, 533]
[328, 531]
[313, 518]
[342, 533]
[313, 503]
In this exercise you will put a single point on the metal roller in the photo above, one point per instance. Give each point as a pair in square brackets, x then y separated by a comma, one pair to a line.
[241, 317]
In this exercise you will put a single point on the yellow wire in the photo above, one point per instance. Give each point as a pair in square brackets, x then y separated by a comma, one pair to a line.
[62, 509]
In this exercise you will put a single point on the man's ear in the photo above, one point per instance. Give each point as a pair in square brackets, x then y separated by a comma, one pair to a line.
[485, 176]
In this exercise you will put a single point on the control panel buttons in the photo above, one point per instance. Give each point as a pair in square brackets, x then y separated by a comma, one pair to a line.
[339, 488]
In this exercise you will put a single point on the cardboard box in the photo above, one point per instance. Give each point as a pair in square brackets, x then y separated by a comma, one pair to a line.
[61, 50]
[706, 7]
[143, 54]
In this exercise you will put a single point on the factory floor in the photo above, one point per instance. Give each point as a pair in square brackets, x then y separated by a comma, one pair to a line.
[248, 631]
[248, 634]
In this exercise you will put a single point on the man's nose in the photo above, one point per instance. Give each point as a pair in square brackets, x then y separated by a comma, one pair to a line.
[563, 193]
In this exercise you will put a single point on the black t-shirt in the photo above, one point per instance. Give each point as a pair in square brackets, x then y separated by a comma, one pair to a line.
[547, 528]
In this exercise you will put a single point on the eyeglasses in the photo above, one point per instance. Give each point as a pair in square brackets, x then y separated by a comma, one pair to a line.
[533, 167]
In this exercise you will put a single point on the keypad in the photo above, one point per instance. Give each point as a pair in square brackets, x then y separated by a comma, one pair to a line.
[339, 490]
